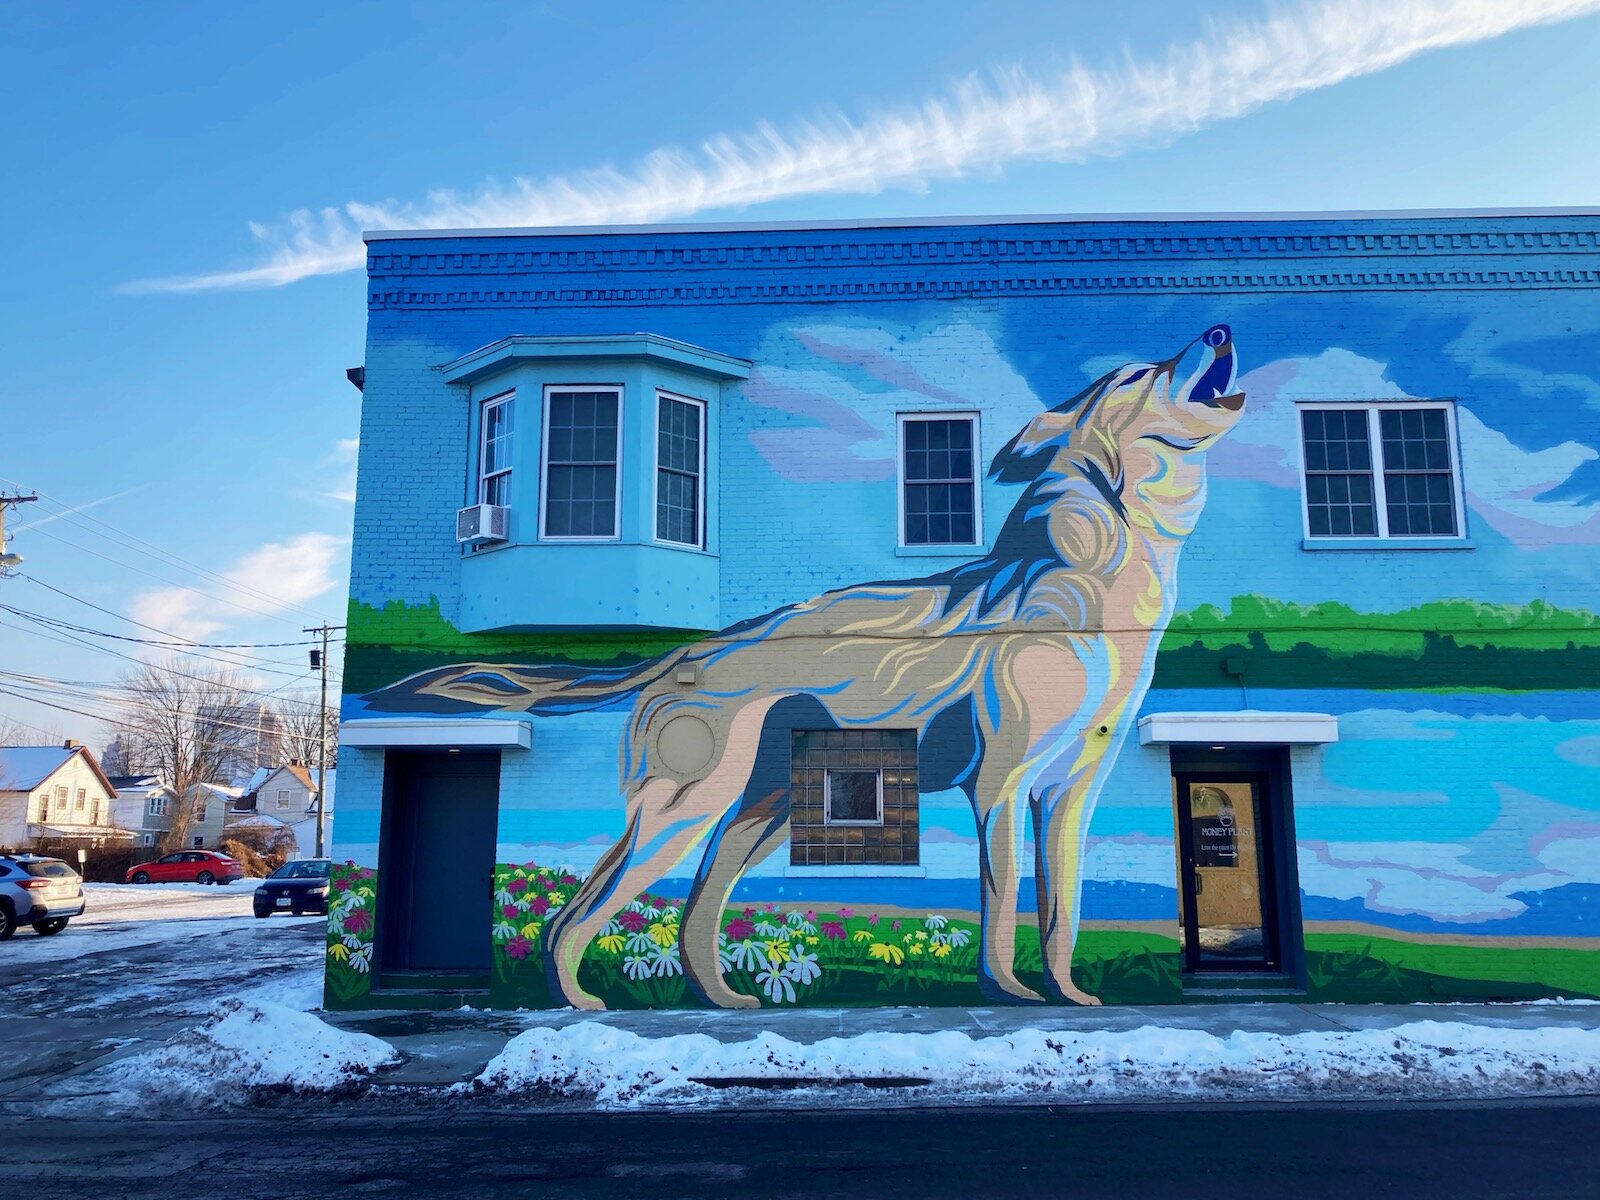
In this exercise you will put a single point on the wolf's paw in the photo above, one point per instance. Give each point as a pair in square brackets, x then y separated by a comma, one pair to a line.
[1007, 991]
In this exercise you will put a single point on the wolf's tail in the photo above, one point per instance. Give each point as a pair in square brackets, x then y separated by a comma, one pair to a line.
[545, 691]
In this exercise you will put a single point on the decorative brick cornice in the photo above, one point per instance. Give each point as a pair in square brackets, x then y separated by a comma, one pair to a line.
[796, 267]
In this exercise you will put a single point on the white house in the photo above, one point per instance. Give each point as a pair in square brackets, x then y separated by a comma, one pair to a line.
[284, 798]
[54, 794]
[145, 807]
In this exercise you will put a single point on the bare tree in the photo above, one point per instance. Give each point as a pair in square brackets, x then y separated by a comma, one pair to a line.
[300, 732]
[187, 725]
[14, 733]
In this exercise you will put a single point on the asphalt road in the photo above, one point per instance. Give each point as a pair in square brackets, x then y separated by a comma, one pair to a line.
[1530, 1149]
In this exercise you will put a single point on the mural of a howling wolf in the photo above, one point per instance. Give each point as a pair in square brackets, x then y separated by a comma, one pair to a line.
[1020, 671]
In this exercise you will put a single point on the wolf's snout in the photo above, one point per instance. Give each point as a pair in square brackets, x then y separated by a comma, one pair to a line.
[1214, 378]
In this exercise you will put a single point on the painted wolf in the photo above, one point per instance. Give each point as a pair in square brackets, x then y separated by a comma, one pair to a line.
[1020, 672]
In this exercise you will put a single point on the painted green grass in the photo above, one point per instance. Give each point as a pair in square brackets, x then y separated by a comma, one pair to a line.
[1355, 969]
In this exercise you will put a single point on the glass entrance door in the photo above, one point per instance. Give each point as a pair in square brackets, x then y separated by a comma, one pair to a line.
[1228, 915]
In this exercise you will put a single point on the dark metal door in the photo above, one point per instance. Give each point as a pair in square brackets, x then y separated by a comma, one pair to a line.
[1228, 900]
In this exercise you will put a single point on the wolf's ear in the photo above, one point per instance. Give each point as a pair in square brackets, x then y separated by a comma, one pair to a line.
[1024, 456]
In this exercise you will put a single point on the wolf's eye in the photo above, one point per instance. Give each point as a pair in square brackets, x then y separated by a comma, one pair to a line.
[1216, 336]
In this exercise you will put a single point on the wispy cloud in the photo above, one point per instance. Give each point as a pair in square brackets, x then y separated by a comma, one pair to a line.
[272, 578]
[981, 124]
[68, 512]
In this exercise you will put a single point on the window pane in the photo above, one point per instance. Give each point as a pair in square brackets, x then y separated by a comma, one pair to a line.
[581, 471]
[938, 483]
[678, 440]
[852, 796]
[1418, 476]
[1339, 490]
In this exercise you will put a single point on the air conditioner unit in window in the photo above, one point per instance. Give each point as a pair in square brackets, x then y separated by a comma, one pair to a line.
[483, 523]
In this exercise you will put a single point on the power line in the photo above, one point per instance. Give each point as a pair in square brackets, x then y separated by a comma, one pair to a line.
[76, 517]
[88, 696]
[175, 644]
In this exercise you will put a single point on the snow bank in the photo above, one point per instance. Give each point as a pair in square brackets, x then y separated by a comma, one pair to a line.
[615, 1068]
[243, 1049]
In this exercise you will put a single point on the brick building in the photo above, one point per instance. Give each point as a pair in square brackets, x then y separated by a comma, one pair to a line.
[1065, 609]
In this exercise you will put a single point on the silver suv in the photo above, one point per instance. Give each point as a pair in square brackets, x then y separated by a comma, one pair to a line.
[42, 892]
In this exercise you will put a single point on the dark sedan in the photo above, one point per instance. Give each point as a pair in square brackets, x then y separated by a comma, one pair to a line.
[299, 886]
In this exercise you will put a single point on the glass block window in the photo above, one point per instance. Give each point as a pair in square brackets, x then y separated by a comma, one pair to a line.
[680, 470]
[1380, 471]
[938, 480]
[853, 798]
[494, 451]
[582, 435]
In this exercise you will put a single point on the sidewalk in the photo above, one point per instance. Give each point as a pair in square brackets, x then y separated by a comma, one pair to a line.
[444, 1048]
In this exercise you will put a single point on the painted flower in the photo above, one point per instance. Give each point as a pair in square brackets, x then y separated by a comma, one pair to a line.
[778, 986]
[794, 919]
[894, 925]
[633, 906]
[772, 908]
[862, 935]
[568, 879]
[768, 930]
[748, 955]
[638, 966]
[915, 949]
[740, 928]
[873, 919]
[936, 922]
[886, 952]
[504, 929]
[846, 913]
[338, 952]
[802, 967]
[353, 941]
[611, 943]
[361, 959]
[611, 927]
[503, 897]
[833, 931]
[539, 905]
[667, 961]
[517, 885]
[510, 912]
[960, 937]
[519, 948]
[811, 939]
[940, 949]
[531, 929]
[632, 920]
[749, 914]
[663, 934]
[777, 951]
[639, 942]
[360, 921]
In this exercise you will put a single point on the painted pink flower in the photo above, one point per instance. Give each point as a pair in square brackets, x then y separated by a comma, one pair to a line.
[548, 885]
[811, 916]
[833, 931]
[846, 913]
[894, 925]
[540, 905]
[359, 921]
[510, 912]
[366, 873]
[873, 919]
[518, 947]
[772, 908]
[632, 921]
[749, 914]
[568, 879]
[739, 929]
[516, 886]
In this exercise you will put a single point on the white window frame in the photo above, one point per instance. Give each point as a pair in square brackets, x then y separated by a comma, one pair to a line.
[158, 805]
[80, 800]
[283, 799]
[828, 819]
[552, 389]
[147, 839]
[483, 441]
[700, 477]
[901, 421]
[199, 842]
[1380, 498]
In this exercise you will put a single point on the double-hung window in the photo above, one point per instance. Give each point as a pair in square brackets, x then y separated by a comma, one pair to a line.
[1386, 470]
[582, 486]
[680, 470]
[496, 427]
[939, 496]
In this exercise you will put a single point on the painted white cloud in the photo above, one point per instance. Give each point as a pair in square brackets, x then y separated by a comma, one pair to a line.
[1081, 113]
[1503, 480]
[268, 580]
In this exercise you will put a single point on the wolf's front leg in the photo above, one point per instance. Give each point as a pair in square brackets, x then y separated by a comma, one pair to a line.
[746, 836]
[996, 806]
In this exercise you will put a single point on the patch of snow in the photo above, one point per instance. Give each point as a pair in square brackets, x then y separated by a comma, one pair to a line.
[245, 1048]
[615, 1068]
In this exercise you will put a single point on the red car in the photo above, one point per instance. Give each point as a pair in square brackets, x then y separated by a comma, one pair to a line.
[187, 866]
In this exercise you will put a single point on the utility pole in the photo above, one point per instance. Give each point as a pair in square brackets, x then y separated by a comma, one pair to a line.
[319, 661]
[8, 500]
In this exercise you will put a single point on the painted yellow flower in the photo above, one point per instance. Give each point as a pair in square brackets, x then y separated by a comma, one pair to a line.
[811, 940]
[663, 934]
[862, 935]
[338, 952]
[940, 949]
[921, 935]
[886, 952]
[777, 952]
[611, 943]
[915, 949]
[531, 929]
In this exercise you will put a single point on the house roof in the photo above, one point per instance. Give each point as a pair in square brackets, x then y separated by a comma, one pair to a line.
[23, 768]
[265, 775]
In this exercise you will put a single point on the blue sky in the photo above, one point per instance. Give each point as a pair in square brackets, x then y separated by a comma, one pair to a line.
[141, 141]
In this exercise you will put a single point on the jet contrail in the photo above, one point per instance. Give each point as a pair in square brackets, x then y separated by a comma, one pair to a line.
[981, 124]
